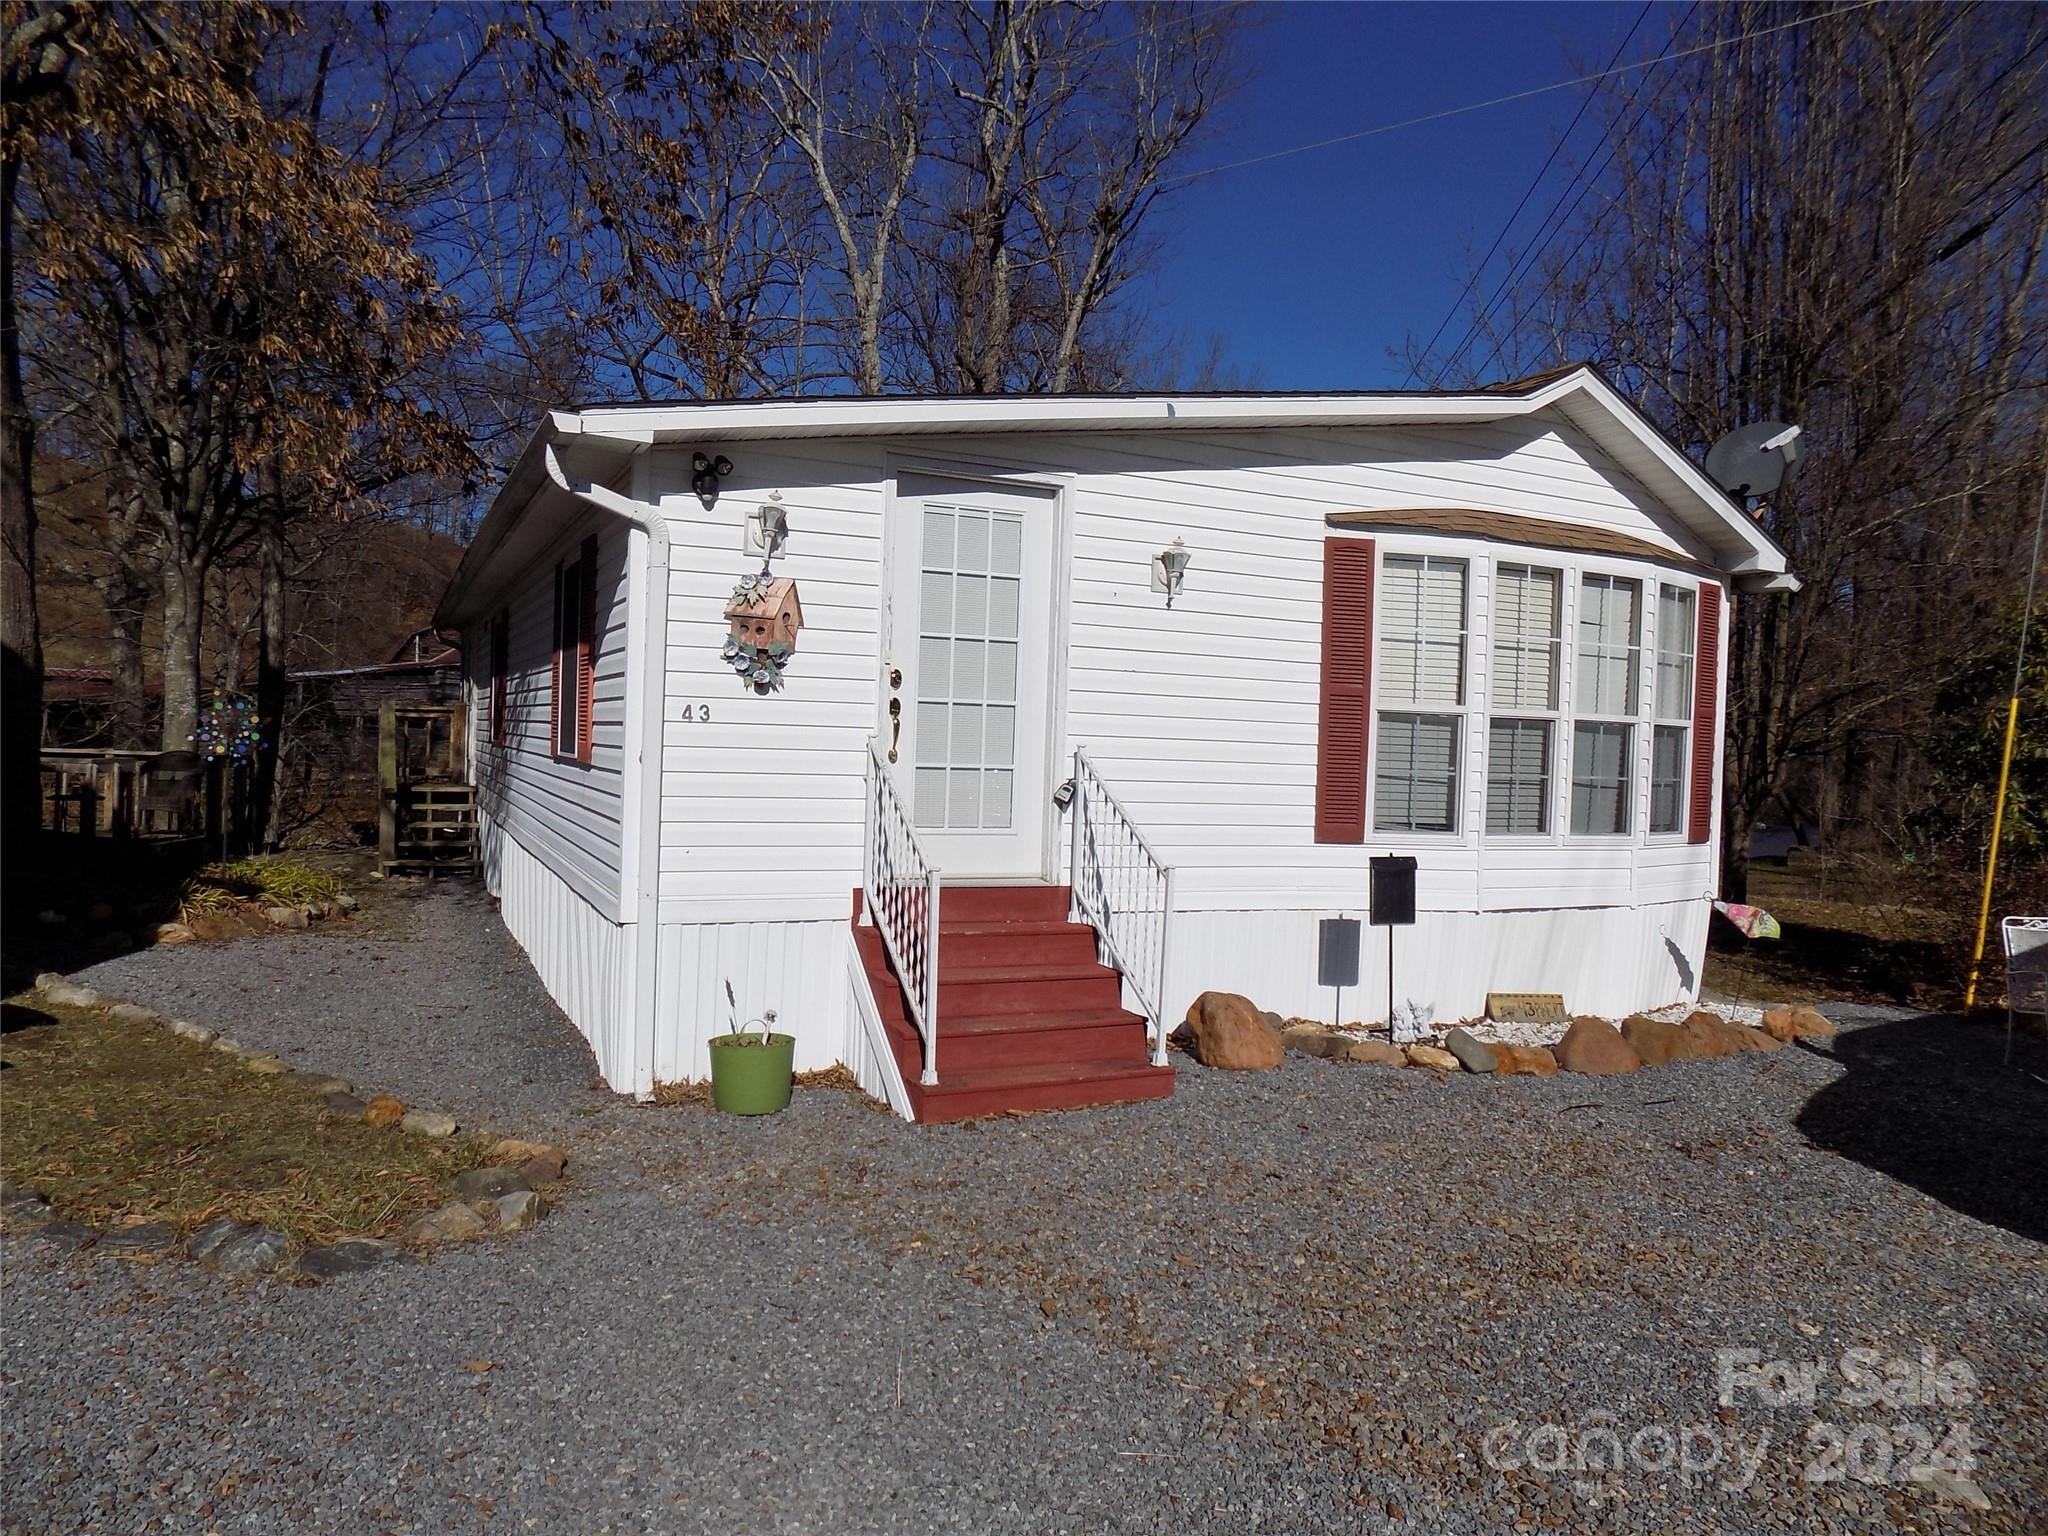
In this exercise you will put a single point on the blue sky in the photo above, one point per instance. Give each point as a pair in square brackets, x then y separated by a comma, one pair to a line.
[1310, 267]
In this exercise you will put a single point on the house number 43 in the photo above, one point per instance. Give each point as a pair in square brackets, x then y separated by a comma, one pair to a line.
[696, 714]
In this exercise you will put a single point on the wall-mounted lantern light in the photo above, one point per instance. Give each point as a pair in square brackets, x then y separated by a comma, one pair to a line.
[768, 528]
[1169, 570]
[705, 473]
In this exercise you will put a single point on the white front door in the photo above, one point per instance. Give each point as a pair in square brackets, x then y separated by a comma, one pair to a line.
[967, 680]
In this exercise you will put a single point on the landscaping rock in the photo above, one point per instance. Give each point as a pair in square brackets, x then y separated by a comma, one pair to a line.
[68, 993]
[453, 1223]
[186, 1030]
[1376, 1052]
[232, 1047]
[1788, 1024]
[215, 1235]
[428, 1122]
[67, 1234]
[174, 933]
[1313, 1040]
[519, 1210]
[251, 1251]
[345, 1104]
[346, 902]
[134, 1013]
[490, 1183]
[384, 1109]
[1472, 1053]
[541, 1163]
[150, 1237]
[1724, 1037]
[21, 1205]
[1595, 1047]
[322, 1083]
[286, 917]
[350, 1256]
[1657, 1043]
[1433, 1058]
[1523, 1060]
[266, 1066]
[1224, 1030]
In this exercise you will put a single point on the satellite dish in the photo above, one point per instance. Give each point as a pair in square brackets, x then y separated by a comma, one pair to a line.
[1754, 460]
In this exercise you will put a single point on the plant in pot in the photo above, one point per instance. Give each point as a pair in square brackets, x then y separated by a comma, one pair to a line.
[751, 1072]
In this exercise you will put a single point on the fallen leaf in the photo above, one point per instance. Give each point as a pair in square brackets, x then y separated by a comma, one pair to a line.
[478, 1367]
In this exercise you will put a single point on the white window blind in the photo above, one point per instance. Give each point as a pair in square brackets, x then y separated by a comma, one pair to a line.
[1415, 778]
[1667, 778]
[1600, 779]
[1610, 645]
[1422, 630]
[1518, 777]
[1677, 625]
[1526, 611]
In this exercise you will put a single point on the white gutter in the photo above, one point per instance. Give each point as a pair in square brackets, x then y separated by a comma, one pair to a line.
[640, 894]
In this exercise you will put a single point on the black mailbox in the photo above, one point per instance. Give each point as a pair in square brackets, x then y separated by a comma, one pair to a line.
[1393, 891]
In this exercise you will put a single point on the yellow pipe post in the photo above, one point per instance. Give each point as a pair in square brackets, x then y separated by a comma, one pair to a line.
[2012, 724]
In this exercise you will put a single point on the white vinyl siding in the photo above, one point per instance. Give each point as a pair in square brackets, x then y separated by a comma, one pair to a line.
[1420, 664]
[1677, 634]
[569, 815]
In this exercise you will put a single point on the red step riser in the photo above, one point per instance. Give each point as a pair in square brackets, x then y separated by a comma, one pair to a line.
[938, 1108]
[1121, 1044]
[1003, 903]
[1075, 947]
[1055, 995]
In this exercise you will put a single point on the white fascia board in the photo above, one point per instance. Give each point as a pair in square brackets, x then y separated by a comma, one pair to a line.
[914, 416]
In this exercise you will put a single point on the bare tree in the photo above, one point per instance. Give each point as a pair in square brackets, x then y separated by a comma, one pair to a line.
[1843, 225]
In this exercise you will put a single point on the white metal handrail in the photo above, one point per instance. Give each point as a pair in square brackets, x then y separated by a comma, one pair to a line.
[901, 897]
[1124, 890]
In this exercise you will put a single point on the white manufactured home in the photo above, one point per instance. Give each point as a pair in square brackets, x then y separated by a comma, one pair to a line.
[1051, 713]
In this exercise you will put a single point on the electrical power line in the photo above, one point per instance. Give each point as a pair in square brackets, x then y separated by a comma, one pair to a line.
[1548, 161]
[1514, 96]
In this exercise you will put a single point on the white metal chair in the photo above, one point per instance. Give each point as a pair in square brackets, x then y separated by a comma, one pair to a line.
[2026, 970]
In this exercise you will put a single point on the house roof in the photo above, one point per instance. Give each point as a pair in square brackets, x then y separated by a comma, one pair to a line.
[605, 438]
[1509, 528]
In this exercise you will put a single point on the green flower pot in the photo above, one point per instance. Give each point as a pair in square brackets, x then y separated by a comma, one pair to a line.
[750, 1073]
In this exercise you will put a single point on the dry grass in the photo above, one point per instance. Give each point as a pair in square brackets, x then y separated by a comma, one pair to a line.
[1855, 952]
[119, 1121]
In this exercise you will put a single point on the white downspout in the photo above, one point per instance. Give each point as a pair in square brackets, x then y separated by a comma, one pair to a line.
[641, 903]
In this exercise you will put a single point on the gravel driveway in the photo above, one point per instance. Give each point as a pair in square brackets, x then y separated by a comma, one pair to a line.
[1332, 1297]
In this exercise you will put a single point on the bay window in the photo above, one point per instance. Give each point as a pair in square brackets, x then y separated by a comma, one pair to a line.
[1421, 689]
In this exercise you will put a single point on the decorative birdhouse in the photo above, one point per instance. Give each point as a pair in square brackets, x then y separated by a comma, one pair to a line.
[765, 616]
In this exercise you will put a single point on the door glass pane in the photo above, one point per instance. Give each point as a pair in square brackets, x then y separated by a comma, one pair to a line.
[966, 734]
[1000, 743]
[931, 732]
[1006, 547]
[968, 668]
[995, 799]
[935, 599]
[1002, 673]
[934, 675]
[963, 799]
[1003, 594]
[931, 797]
[938, 538]
[970, 608]
[974, 541]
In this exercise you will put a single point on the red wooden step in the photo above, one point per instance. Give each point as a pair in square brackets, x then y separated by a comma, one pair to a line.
[1013, 943]
[1028, 1019]
[972, 1092]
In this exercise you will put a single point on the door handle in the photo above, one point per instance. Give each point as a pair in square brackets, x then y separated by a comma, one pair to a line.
[895, 725]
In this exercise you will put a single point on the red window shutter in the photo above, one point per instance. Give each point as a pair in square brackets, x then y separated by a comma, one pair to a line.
[1706, 687]
[586, 646]
[555, 674]
[501, 660]
[1343, 730]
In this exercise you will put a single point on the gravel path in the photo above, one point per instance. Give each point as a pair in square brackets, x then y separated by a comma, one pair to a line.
[1291, 1302]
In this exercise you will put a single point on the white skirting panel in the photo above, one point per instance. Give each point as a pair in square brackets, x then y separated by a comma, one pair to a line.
[1609, 961]
[796, 968]
[578, 952]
